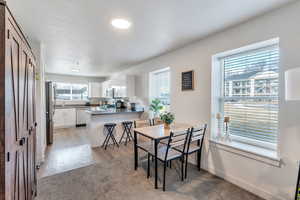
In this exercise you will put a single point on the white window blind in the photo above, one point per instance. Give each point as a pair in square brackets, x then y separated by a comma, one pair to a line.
[69, 91]
[250, 94]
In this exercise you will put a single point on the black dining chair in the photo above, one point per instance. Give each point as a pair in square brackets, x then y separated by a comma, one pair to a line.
[194, 145]
[166, 152]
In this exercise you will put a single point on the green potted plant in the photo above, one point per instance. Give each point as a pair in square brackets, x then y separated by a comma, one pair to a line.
[156, 106]
[167, 118]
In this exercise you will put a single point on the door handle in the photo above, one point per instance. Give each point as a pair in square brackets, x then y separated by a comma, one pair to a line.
[30, 130]
[22, 141]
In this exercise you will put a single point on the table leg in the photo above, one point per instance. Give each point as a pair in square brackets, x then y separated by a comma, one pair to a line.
[155, 161]
[135, 152]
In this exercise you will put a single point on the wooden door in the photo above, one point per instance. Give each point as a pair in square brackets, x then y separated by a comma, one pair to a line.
[20, 117]
[32, 128]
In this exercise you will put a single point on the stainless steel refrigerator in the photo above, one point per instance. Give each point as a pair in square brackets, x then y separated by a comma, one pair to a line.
[50, 102]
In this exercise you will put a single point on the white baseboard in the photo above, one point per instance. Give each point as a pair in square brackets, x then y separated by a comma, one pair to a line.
[243, 184]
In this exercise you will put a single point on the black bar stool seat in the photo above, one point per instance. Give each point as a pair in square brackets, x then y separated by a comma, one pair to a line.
[110, 124]
[127, 125]
[110, 127]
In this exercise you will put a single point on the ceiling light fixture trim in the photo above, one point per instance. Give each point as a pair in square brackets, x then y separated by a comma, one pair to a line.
[75, 70]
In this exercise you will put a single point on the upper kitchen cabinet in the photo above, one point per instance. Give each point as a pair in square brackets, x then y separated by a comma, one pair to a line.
[121, 86]
[95, 90]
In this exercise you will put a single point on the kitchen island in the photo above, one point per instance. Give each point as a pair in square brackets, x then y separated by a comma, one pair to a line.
[98, 117]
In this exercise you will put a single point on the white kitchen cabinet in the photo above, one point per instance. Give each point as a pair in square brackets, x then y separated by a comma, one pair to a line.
[64, 118]
[95, 90]
[124, 86]
[120, 91]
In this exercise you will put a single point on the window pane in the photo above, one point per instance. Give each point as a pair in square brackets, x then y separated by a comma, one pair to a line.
[63, 91]
[251, 94]
[68, 91]
[161, 86]
[79, 92]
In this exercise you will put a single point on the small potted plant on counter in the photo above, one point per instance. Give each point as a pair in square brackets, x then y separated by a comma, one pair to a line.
[167, 118]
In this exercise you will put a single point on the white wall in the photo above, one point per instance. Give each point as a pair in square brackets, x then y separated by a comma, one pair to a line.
[38, 50]
[262, 179]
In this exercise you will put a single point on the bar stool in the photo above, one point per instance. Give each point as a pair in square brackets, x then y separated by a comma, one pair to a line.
[110, 127]
[127, 125]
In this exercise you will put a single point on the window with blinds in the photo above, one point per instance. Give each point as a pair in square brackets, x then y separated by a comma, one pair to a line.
[160, 85]
[250, 94]
[70, 91]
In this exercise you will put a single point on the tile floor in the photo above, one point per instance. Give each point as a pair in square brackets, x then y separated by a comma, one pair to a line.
[70, 150]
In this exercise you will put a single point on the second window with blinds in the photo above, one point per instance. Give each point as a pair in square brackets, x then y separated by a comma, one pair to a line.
[249, 93]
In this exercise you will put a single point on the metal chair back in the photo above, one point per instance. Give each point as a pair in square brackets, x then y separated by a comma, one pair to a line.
[176, 139]
[156, 121]
[197, 134]
[142, 123]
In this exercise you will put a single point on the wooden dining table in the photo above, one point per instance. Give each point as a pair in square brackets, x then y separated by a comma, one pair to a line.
[156, 134]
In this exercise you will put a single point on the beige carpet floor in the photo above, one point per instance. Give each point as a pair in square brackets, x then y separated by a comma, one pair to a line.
[112, 177]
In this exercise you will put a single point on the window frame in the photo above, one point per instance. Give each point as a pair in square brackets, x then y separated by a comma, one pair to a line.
[71, 91]
[151, 87]
[218, 92]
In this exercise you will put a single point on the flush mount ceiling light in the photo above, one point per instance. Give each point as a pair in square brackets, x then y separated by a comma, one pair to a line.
[75, 70]
[121, 23]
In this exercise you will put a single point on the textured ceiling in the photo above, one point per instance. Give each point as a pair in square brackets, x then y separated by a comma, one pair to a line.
[79, 31]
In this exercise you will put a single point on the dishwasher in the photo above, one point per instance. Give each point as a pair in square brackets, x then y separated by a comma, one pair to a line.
[81, 117]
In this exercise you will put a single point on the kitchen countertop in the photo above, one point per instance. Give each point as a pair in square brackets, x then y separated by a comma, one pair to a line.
[98, 111]
[74, 106]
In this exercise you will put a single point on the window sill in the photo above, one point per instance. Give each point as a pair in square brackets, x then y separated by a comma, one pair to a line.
[252, 152]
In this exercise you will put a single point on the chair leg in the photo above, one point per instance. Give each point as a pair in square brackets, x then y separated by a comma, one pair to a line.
[126, 140]
[164, 181]
[182, 168]
[122, 137]
[199, 160]
[131, 137]
[170, 164]
[105, 140]
[186, 165]
[114, 140]
[148, 166]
